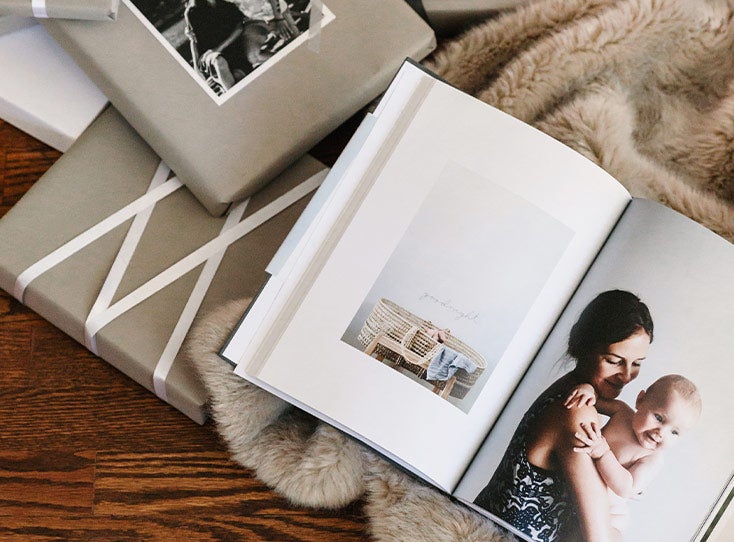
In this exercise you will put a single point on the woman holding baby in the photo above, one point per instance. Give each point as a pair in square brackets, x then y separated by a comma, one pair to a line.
[542, 486]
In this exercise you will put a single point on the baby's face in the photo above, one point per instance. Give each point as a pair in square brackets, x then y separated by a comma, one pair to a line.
[662, 419]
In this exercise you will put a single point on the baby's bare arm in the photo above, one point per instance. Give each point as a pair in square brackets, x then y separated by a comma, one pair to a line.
[625, 482]
[585, 482]
[614, 474]
[585, 395]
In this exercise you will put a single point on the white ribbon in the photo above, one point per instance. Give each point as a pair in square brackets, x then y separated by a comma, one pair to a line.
[124, 255]
[39, 9]
[202, 254]
[165, 362]
[92, 234]
[103, 311]
[314, 25]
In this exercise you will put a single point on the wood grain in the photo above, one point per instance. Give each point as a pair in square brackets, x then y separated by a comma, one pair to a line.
[88, 454]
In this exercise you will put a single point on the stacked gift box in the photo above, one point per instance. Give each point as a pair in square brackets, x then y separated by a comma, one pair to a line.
[92, 10]
[122, 252]
[117, 290]
[228, 119]
[11, 23]
[42, 91]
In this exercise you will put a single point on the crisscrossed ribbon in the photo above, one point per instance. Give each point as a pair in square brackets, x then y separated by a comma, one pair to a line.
[103, 311]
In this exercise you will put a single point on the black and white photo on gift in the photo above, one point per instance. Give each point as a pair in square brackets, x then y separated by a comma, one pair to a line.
[224, 41]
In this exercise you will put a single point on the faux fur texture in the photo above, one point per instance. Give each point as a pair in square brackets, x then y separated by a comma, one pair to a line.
[644, 88]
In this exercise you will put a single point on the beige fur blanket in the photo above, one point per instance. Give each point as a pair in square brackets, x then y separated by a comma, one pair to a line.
[644, 88]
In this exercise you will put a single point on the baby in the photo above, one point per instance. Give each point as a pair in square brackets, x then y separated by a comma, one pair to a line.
[628, 450]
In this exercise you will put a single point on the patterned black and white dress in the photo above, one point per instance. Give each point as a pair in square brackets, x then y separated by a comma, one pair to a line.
[533, 500]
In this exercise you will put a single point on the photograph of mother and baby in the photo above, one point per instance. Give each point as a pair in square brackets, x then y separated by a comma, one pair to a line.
[567, 474]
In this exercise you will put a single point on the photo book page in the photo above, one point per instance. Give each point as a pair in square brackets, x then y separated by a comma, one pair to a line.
[672, 433]
[468, 236]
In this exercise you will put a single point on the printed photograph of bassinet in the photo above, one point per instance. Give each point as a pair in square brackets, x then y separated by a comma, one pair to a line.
[395, 335]
[440, 296]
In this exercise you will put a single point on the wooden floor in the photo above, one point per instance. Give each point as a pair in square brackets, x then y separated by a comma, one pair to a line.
[87, 454]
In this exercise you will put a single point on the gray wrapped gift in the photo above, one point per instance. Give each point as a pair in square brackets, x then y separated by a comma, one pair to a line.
[121, 257]
[95, 10]
[11, 23]
[228, 122]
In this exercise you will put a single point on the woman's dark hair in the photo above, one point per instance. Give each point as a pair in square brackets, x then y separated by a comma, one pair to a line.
[609, 318]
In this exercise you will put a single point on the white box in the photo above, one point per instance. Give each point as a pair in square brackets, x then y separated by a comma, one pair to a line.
[42, 91]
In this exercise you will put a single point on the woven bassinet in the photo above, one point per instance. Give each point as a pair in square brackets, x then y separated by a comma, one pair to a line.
[411, 331]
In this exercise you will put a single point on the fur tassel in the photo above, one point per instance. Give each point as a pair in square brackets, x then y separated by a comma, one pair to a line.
[310, 463]
[402, 508]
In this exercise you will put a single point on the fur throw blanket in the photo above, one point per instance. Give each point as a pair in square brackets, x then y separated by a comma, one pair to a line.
[644, 88]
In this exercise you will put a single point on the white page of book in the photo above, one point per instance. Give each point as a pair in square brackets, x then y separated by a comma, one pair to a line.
[476, 222]
[683, 273]
[282, 263]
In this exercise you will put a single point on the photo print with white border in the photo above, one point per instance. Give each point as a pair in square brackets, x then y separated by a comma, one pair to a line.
[460, 281]
[225, 44]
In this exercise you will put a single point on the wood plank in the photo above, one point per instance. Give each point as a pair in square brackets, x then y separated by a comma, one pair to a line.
[3, 153]
[15, 338]
[22, 160]
[11, 310]
[72, 396]
[131, 484]
[13, 139]
[41, 483]
[22, 168]
[15, 344]
[217, 527]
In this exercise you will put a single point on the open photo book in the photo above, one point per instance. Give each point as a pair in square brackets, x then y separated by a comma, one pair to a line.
[496, 314]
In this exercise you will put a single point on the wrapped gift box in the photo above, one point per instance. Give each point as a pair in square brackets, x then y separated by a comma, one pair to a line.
[42, 91]
[11, 23]
[227, 144]
[95, 10]
[98, 249]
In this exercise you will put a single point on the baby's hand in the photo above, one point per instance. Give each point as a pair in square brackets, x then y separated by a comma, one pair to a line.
[593, 441]
[581, 395]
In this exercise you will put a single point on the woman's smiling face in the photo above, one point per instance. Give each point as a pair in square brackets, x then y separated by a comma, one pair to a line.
[618, 364]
